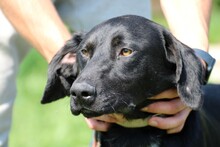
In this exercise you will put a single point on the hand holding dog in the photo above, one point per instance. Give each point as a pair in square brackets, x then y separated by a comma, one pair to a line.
[175, 107]
[173, 124]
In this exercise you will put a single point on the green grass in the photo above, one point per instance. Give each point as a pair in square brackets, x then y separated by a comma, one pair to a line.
[214, 35]
[36, 125]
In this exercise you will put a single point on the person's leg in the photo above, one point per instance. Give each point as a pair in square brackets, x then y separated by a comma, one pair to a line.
[9, 63]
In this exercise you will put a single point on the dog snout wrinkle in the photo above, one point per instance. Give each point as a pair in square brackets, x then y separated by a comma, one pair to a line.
[83, 92]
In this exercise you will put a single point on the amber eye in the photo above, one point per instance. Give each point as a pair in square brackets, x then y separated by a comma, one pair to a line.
[85, 52]
[126, 52]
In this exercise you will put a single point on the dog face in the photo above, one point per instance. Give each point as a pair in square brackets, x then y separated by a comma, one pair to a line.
[119, 65]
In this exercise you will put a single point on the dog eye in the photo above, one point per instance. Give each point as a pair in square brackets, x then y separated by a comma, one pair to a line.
[85, 52]
[126, 52]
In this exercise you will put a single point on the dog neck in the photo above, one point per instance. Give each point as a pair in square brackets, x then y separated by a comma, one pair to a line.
[118, 136]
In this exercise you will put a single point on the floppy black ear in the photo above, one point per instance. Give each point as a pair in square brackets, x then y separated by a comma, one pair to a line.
[62, 71]
[189, 70]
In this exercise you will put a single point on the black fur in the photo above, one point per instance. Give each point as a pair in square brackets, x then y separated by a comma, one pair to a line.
[103, 81]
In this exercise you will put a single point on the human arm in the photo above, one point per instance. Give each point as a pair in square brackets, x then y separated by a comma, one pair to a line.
[38, 22]
[189, 21]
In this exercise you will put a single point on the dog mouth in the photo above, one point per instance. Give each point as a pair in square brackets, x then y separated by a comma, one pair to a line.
[129, 111]
[88, 113]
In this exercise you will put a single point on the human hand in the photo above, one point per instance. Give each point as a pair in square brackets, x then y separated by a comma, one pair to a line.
[174, 107]
[172, 124]
[101, 123]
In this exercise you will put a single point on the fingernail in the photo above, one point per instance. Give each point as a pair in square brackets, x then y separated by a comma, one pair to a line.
[153, 123]
[144, 109]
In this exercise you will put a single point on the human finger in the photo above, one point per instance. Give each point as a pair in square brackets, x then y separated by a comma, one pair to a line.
[167, 94]
[175, 130]
[97, 124]
[170, 122]
[165, 107]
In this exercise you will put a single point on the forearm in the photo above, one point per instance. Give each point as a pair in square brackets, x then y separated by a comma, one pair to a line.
[38, 22]
[189, 21]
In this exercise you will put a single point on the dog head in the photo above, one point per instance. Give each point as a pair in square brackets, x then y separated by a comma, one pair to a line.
[119, 64]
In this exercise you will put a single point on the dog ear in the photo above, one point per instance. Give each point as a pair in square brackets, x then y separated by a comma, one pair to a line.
[189, 70]
[62, 71]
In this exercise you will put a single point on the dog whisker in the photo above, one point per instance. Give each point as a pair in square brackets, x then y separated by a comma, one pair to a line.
[112, 108]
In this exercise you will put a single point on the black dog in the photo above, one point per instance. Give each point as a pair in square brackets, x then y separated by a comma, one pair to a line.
[119, 65]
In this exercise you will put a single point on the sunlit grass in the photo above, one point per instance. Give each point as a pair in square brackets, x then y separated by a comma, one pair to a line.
[36, 125]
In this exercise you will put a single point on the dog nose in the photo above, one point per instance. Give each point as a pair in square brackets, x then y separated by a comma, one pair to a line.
[83, 92]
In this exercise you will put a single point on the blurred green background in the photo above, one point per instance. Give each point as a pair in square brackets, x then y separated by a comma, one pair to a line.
[36, 125]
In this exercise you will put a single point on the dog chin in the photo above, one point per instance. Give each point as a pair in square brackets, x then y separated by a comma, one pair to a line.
[85, 112]
[75, 112]
[89, 114]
